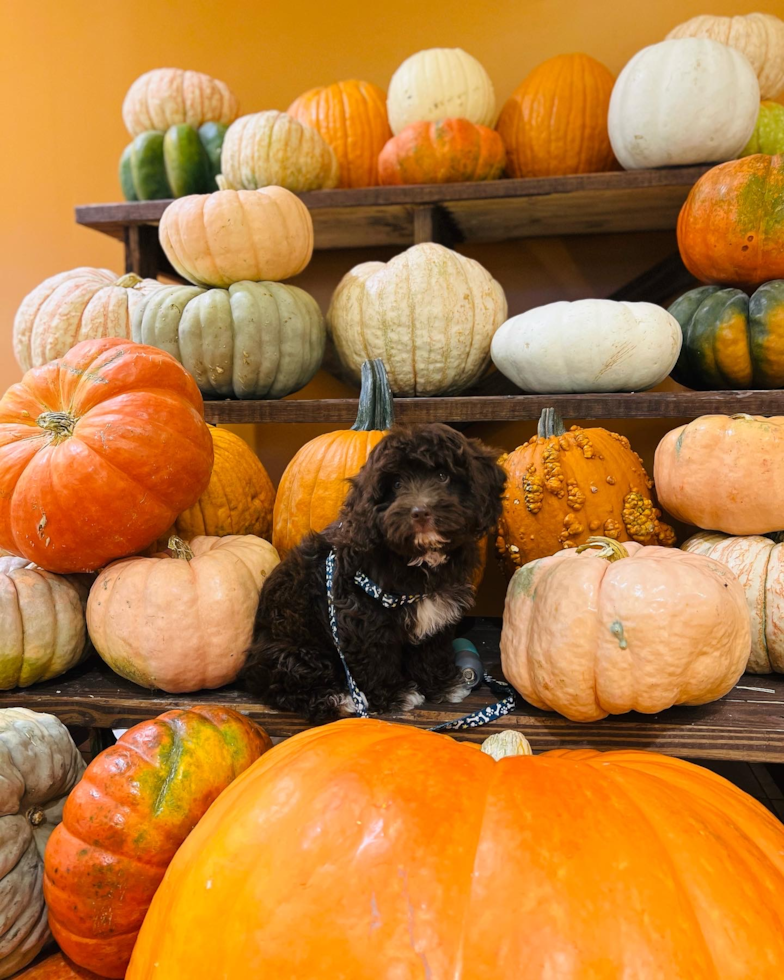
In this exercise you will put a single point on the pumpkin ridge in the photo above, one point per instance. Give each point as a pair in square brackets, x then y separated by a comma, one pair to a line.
[18, 671]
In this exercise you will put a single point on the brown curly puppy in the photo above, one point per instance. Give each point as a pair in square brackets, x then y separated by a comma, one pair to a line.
[412, 523]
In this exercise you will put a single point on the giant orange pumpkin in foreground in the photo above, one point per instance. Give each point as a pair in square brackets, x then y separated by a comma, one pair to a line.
[731, 228]
[135, 805]
[368, 850]
[100, 451]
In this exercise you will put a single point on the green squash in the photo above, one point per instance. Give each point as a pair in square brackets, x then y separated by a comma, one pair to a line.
[731, 341]
[183, 160]
[252, 340]
[768, 135]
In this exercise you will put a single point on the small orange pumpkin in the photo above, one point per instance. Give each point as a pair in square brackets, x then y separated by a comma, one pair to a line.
[442, 152]
[555, 122]
[56, 967]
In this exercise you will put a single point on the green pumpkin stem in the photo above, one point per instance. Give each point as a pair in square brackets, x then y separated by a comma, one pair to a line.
[129, 280]
[60, 424]
[550, 424]
[376, 410]
[609, 548]
[180, 548]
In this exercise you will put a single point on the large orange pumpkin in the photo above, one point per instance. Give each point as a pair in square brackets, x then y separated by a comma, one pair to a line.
[555, 122]
[442, 152]
[99, 453]
[564, 486]
[364, 849]
[123, 823]
[352, 118]
[315, 483]
[731, 227]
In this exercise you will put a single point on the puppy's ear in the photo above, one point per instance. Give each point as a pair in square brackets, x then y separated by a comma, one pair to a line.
[358, 514]
[488, 480]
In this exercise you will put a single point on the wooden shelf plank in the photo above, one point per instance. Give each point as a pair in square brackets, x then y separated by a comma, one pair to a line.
[482, 212]
[478, 408]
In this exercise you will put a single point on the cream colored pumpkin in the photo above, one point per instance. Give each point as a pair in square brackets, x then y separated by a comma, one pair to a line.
[181, 621]
[588, 345]
[81, 304]
[39, 766]
[440, 83]
[230, 236]
[690, 100]
[166, 97]
[760, 37]
[590, 633]
[758, 562]
[42, 627]
[252, 340]
[429, 314]
[274, 148]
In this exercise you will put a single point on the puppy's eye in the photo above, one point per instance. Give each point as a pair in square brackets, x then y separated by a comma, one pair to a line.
[397, 484]
[443, 477]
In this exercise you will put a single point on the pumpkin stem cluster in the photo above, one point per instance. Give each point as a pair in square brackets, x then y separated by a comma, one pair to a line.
[609, 549]
[61, 424]
[180, 548]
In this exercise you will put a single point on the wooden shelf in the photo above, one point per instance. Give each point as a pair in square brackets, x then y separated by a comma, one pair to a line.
[479, 408]
[492, 211]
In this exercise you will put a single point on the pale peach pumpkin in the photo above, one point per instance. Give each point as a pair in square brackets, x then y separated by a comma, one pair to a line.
[724, 473]
[181, 621]
[166, 97]
[607, 628]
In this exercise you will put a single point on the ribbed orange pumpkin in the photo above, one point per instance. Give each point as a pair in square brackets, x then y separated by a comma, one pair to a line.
[123, 823]
[368, 850]
[56, 967]
[731, 228]
[555, 122]
[564, 487]
[352, 118]
[442, 152]
[315, 483]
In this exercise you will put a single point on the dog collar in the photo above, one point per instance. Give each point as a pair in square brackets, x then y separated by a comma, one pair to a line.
[390, 600]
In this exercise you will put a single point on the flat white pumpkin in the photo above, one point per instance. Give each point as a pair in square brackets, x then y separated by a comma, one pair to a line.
[588, 345]
[440, 83]
[429, 314]
[758, 563]
[689, 100]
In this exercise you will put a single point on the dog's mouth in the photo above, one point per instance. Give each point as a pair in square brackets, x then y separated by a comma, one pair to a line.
[430, 544]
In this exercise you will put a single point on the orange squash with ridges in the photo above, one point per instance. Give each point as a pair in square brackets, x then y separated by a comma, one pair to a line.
[442, 152]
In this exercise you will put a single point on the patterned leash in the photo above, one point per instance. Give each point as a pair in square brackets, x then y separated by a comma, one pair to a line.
[501, 689]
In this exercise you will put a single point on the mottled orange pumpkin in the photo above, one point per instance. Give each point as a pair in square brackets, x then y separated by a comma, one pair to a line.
[555, 122]
[352, 117]
[731, 227]
[564, 487]
[125, 820]
[442, 152]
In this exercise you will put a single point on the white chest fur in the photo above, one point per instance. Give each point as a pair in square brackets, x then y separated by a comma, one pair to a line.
[434, 613]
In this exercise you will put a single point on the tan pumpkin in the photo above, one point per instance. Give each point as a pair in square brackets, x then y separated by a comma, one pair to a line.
[225, 237]
[429, 314]
[81, 304]
[759, 36]
[39, 766]
[563, 487]
[42, 627]
[180, 621]
[166, 97]
[608, 628]
[758, 563]
[274, 148]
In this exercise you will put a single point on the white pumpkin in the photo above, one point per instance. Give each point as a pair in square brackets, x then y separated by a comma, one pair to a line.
[274, 148]
[440, 83]
[759, 36]
[39, 766]
[588, 345]
[758, 563]
[429, 314]
[690, 100]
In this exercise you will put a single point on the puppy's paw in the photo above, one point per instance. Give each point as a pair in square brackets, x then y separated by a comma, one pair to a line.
[458, 691]
[410, 699]
[343, 704]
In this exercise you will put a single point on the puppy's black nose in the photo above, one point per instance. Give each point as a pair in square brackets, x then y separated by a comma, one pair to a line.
[420, 514]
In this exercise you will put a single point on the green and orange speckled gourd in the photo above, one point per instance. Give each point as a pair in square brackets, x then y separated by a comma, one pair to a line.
[125, 820]
[563, 487]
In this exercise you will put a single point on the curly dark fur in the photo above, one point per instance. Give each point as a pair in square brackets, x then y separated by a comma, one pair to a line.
[411, 522]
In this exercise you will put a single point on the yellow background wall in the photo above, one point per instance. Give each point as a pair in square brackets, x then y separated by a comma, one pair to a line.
[66, 65]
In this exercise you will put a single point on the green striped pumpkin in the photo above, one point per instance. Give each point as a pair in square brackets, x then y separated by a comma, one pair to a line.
[183, 160]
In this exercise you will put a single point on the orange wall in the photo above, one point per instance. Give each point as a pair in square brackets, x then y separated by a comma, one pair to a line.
[66, 65]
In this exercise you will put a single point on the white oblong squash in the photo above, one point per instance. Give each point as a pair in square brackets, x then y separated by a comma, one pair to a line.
[689, 100]
[440, 83]
[81, 304]
[274, 148]
[166, 97]
[759, 36]
[429, 314]
[588, 345]
[758, 563]
[252, 340]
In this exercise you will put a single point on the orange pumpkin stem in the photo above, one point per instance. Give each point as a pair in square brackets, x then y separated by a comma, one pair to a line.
[60, 423]
[35, 816]
[180, 548]
[129, 280]
[609, 549]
